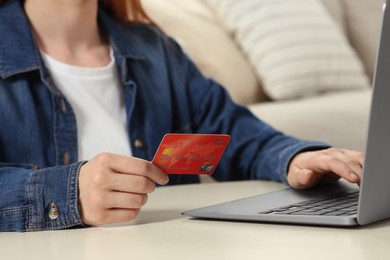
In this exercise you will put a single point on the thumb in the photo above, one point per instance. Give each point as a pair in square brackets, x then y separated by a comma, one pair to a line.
[303, 178]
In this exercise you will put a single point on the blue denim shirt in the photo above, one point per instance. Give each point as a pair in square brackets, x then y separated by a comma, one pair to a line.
[163, 92]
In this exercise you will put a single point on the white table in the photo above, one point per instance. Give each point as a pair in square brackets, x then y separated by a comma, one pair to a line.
[161, 232]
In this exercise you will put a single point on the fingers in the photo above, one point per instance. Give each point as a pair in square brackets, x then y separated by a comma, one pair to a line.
[119, 216]
[348, 163]
[112, 216]
[132, 165]
[122, 200]
[309, 168]
[130, 183]
[113, 188]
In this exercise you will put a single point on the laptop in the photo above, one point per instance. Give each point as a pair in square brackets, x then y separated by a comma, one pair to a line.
[333, 204]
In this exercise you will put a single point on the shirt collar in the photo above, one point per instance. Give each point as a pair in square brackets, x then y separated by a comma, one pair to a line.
[17, 47]
[19, 52]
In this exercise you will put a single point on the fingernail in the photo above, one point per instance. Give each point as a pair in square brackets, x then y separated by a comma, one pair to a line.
[166, 180]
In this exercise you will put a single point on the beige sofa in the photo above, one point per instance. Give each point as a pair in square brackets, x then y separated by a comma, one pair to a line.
[338, 117]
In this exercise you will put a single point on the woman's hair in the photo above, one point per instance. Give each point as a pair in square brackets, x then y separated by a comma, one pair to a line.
[122, 10]
[126, 10]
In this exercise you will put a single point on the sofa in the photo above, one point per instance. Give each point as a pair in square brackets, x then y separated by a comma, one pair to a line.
[337, 113]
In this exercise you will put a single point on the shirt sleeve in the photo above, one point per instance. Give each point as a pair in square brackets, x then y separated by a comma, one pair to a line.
[39, 199]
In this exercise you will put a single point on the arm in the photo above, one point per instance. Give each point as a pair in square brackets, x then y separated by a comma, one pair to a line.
[257, 151]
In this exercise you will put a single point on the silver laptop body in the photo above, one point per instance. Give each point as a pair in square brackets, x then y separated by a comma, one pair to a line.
[374, 193]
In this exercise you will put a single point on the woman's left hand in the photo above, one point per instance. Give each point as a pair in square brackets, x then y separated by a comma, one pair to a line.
[309, 168]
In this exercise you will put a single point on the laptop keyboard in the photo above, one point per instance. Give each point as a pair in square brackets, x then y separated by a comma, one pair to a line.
[345, 204]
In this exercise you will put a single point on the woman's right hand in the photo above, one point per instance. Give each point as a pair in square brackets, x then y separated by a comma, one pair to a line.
[113, 188]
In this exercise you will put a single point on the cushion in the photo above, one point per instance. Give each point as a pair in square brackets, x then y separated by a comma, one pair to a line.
[337, 118]
[212, 49]
[295, 47]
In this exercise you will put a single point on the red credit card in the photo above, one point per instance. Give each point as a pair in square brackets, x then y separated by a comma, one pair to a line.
[190, 153]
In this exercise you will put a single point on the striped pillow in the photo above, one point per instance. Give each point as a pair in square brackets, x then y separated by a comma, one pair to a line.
[294, 46]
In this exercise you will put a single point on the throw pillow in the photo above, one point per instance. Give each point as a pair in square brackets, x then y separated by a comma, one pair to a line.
[208, 44]
[295, 47]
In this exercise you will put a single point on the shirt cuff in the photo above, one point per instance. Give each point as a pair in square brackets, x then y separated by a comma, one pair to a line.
[53, 196]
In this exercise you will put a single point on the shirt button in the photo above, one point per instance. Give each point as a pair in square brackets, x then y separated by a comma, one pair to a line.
[53, 212]
[138, 144]
[65, 158]
[63, 105]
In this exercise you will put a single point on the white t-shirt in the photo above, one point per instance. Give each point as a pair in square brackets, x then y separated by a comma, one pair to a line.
[96, 97]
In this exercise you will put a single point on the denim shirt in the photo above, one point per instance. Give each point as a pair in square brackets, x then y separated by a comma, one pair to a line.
[163, 92]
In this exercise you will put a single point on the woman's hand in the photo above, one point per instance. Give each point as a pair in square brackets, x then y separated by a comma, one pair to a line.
[113, 188]
[308, 168]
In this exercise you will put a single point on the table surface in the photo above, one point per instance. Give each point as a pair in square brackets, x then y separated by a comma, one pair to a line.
[161, 232]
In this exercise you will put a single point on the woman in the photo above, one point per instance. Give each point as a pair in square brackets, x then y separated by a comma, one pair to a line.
[126, 84]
